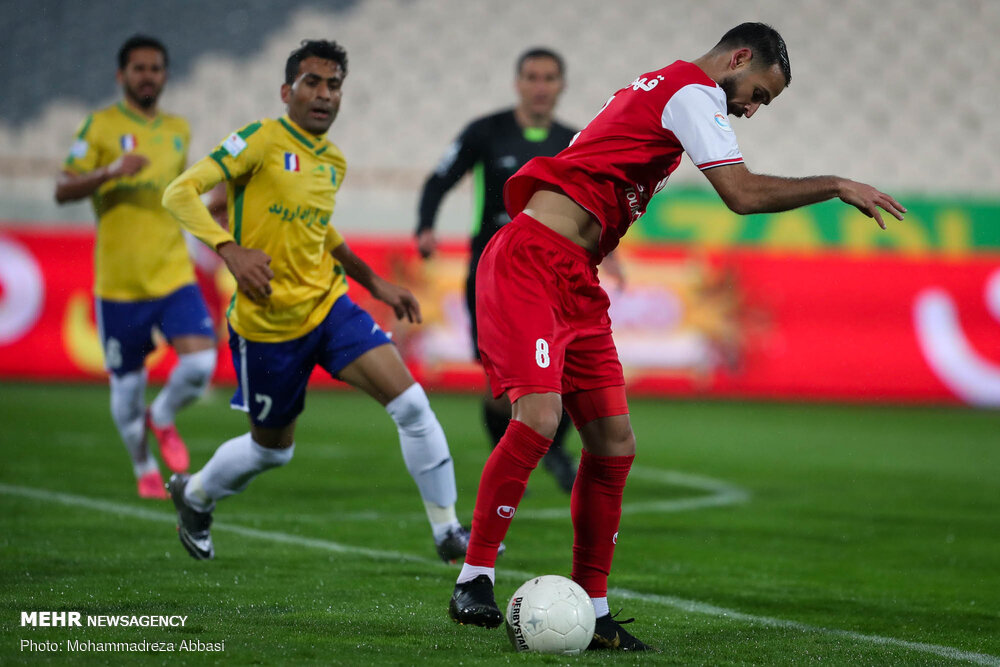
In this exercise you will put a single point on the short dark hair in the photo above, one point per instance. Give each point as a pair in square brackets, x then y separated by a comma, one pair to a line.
[540, 52]
[319, 48]
[764, 41]
[140, 42]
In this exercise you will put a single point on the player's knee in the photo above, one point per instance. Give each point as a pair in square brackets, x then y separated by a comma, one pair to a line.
[539, 412]
[411, 410]
[127, 401]
[270, 457]
[623, 443]
[618, 439]
[197, 367]
[125, 409]
[545, 424]
[542, 419]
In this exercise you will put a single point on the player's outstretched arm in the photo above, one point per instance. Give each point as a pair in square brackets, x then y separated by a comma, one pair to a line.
[403, 303]
[745, 192]
[71, 187]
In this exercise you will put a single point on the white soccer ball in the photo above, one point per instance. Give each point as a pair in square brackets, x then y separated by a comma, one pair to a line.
[550, 614]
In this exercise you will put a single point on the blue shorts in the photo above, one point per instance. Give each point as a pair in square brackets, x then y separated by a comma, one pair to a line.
[126, 327]
[274, 375]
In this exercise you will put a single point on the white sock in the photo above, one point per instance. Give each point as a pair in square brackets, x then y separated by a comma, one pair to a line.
[470, 572]
[230, 469]
[443, 520]
[195, 496]
[425, 452]
[151, 465]
[188, 380]
[128, 405]
[600, 607]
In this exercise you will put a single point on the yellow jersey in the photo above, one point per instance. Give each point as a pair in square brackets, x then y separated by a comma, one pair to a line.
[282, 183]
[140, 252]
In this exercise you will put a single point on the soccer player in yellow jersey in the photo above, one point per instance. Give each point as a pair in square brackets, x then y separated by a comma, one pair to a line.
[291, 311]
[123, 158]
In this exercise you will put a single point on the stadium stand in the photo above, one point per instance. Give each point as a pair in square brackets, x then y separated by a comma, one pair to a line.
[897, 93]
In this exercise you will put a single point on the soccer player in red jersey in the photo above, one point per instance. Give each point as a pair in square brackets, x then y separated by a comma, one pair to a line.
[493, 148]
[569, 211]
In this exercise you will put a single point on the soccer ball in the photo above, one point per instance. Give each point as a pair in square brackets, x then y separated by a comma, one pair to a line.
[550, 614]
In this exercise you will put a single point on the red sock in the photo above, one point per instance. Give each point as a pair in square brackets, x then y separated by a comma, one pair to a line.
[504, 479]
[596, 506]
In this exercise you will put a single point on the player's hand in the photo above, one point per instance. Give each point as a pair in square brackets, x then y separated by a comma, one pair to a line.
[868, 200]
[127, 165]
[251, 269]
[402, 301]
[426, 243]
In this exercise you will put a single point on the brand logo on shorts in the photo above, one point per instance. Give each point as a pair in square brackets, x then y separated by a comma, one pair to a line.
[614, 538]
[505, 511]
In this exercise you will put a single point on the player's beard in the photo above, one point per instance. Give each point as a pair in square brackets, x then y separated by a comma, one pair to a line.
[728, 86]
[143, 101]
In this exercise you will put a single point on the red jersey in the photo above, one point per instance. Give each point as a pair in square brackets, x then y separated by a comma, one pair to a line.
[627, 152]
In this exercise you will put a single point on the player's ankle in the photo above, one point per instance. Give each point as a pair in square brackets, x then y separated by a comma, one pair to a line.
[470, 572]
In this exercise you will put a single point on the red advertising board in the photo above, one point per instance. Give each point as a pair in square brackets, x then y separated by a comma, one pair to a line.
[735, 323]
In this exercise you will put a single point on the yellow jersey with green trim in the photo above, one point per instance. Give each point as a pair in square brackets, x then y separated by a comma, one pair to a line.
[282, 183]
[140, 252]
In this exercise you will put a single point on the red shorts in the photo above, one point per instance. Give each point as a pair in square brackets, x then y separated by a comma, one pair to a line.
[543, 316]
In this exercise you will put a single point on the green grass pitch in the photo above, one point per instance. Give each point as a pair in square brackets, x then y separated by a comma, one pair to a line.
[753, 533]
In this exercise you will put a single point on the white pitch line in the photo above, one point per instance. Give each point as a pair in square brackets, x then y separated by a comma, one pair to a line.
[712, 610]
[715, 493]
[719, 493]
[691, 606]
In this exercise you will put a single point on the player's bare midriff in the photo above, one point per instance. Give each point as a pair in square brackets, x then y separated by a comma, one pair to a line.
[564, 216]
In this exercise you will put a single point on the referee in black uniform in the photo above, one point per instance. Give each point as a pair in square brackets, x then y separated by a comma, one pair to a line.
[493, 148]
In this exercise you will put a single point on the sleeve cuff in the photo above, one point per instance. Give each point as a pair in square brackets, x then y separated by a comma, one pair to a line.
[719, 163]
